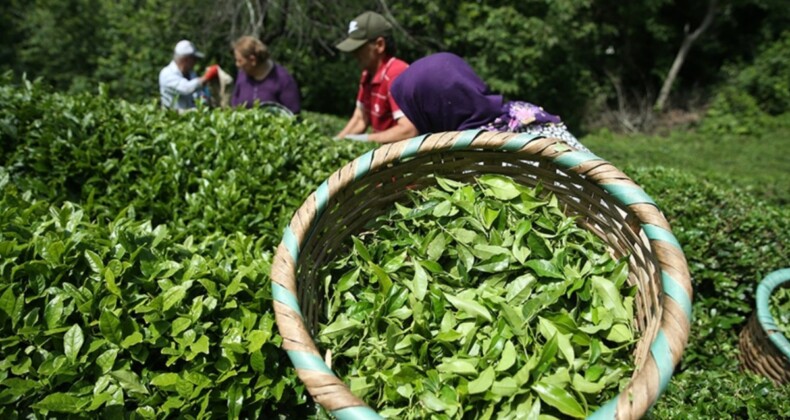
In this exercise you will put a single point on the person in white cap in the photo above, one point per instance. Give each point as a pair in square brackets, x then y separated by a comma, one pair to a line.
[178, 83]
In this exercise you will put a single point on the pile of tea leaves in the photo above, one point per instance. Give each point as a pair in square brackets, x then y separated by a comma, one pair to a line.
[479, 300]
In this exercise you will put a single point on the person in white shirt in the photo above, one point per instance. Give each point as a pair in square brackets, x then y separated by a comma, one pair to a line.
[178, 83]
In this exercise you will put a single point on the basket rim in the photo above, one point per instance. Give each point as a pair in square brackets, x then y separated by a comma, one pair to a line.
[767, 322]
[665, 349]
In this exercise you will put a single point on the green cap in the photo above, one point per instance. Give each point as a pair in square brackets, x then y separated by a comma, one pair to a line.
[365, 27]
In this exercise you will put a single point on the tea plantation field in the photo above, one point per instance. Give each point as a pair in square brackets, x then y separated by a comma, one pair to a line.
[135, 248]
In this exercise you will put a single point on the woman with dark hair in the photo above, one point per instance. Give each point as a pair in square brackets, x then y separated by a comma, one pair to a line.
[441, 92]
[260, 78]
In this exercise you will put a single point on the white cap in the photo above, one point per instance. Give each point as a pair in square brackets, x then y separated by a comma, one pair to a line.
[185, 48]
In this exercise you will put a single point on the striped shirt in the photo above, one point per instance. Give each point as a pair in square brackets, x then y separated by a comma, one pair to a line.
[374, 94]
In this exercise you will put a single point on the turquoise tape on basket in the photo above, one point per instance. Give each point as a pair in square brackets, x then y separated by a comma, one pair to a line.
[628, 194]
[663, 357]
[606, 411]
[412, 147]
[764, 290]
[321, 197]
[308, 361]
[284, 296]
[289, 239]
[677, 293]
[518, 142]
[356, 413]
[363, 164]
[571, 159]
[465, 139]
[657, 233]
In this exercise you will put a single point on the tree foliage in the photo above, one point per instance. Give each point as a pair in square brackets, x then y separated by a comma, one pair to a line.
[564, 55]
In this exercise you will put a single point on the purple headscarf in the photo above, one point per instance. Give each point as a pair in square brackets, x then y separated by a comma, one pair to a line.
[441, 92]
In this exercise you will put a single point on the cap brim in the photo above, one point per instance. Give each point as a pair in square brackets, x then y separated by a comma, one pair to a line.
[199, 54]
[350, 44]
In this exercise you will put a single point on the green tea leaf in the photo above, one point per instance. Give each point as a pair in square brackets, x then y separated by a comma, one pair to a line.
[469, 306]
[508, 357]
[560, 399]
[483, 382]
[499, 187]
[72, 342]
[129, 381]
[420, 281]
[94, 261]
[61, 402]
[109, 325]
[174, 295]
[235, 402]
[165, 379]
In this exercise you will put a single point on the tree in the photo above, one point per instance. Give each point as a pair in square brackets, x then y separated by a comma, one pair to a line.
[688, 41]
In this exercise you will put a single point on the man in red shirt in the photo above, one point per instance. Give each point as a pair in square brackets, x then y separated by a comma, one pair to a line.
[370, 42]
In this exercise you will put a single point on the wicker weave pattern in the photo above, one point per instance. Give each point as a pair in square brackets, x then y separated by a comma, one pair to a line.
[603, 198]
[763, 348]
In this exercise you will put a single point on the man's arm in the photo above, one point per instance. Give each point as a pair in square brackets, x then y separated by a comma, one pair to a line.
[180, 84]
[403, 129]
[356, 125]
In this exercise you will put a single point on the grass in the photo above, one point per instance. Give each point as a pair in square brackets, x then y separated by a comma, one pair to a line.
[759, 163]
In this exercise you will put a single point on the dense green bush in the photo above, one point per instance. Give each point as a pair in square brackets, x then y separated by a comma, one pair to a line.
[731, 242]
[203, 171]
[768, 79]
[135, 251]
[116, 317]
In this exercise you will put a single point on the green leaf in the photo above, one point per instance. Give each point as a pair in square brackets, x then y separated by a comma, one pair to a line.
[360, 248]
[129, 381]
[61, 402]
[620, 334]
[133, 339]
[610, 297]
[109, 281]
[483, 382]
[499, 187]
[560, 399]
[165, 379]
[7, 301]
[420, 281]
[174, 295]
[201, 345]
[432, 402]
[235, 402]
[469, 306]
[72, 342]
[458, 366]
[508, 357]
[505, 388]
[106, 360]
[110, 327]
[94, 261]
[544, 268]
[436, 247]
[53, 312]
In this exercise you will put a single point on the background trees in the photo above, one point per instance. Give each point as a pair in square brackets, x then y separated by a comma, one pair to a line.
[594, 62]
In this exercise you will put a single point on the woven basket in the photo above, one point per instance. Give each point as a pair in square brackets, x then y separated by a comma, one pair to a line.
[763, 347]
[604, 200]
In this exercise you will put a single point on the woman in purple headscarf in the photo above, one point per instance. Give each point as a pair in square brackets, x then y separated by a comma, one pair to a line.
[441, 92]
